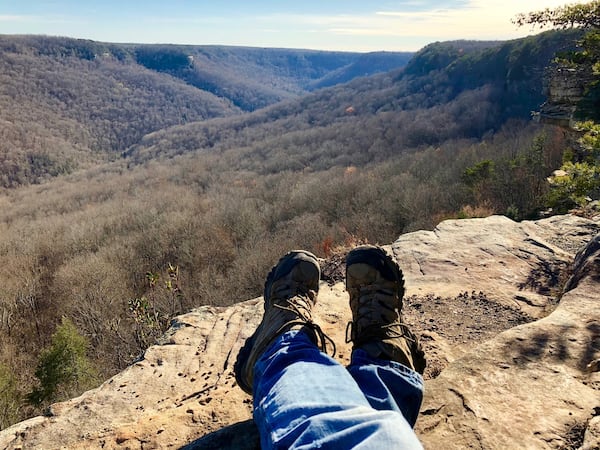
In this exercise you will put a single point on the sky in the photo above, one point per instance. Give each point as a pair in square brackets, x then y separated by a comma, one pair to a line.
[348, 25]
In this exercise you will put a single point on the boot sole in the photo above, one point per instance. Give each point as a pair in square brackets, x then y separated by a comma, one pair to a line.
[377, 258]
[284, 266]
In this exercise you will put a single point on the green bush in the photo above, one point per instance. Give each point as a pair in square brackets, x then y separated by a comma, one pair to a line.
[577, 183]
[9, 398]
[63, 368]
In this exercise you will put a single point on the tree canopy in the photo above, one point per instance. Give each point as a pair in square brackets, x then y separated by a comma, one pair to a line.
[586, 15]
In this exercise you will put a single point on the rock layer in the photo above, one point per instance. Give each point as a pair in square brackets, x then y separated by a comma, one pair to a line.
[528, 386]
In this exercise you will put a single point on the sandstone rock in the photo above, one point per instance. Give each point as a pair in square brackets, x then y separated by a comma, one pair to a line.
[524, 388]
[591, 438]
[566, 87]
[469, 282]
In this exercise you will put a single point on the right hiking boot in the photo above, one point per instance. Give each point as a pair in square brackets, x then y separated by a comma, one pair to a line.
[290, 293]
[376, 287]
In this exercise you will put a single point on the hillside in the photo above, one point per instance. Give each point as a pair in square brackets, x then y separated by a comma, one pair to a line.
[485, 295]
[365, 65]
[68, 103]
[452, 90]
[82, 102]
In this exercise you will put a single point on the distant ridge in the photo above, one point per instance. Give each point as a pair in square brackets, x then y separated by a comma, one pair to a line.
[68, 103]
[266, 74]
[366, 65]
[448, 90]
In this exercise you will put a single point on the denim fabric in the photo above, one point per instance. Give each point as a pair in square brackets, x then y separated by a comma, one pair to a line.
[388, 385]
[303, 399]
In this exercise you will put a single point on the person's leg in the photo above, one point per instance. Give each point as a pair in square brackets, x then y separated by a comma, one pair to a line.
[305, 399]
[388, 385]
[302, 397]
[386, 357]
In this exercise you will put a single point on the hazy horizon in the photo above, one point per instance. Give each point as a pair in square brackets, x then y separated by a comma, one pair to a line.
[347, 26]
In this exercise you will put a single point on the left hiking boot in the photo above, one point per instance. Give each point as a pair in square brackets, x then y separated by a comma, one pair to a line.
[290, 293]
[376, 287]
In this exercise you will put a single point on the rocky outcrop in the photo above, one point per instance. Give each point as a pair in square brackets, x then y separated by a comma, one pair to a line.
[510, 367]
[566, 88]
[532, 385]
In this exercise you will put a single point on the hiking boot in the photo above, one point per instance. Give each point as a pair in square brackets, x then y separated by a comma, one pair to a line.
[376, 287]
[290, 293]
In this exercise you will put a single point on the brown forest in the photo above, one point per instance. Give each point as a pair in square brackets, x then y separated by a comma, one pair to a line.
[132, 192]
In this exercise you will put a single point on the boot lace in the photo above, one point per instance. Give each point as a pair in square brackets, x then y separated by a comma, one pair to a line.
[300, 306]
[376, 316]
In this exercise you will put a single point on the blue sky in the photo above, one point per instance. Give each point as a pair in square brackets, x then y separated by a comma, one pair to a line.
[350, 25]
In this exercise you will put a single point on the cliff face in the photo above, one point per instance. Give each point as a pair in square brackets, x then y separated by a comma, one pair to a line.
[510, 367]
[565, 90]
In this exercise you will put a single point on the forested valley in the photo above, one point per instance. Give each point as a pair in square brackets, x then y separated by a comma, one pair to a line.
[138, 182]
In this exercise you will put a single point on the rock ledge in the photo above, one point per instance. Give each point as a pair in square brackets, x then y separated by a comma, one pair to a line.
[495, 385]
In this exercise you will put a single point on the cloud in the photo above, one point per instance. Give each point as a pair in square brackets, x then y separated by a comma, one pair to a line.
[14, 18]
[474, 19]
[410, 26]
[209, 20]
[34, 20]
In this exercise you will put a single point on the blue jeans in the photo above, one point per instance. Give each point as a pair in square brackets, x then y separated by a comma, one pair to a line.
[304, 399]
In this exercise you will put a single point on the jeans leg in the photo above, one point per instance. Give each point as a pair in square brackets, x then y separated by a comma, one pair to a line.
[388, 385]
[304, 399]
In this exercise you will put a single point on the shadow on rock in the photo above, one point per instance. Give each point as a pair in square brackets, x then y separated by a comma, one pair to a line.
[545, 344]
[552, 341]
[587, 264]
[239, 436]
[591, 350]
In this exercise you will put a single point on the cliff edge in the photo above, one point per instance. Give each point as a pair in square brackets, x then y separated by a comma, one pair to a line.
[513, 355]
